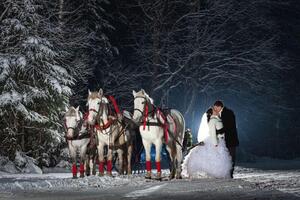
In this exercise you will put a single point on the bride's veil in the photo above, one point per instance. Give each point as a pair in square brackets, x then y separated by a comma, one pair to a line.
[203, 132]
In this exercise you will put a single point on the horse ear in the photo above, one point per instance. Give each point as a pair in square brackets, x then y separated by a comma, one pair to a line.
[90, 92]
[66, 108]
[143, 91]
[77, 108]
[134, 93]
[100, 91]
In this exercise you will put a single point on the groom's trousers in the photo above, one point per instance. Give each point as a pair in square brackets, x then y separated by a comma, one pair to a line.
[232, 153]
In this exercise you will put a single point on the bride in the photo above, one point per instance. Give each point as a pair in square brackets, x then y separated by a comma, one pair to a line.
[213, 157]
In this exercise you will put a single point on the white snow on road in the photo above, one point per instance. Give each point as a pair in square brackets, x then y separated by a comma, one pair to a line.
[287, 181]
[63, 181]
[144, 192]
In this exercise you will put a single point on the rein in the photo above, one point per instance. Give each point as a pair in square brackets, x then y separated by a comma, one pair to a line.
[76, 129]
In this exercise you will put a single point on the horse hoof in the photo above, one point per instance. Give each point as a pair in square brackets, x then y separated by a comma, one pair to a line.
[109, 174]
[179, 177]
[148, 175]
[100, 174]
[171, 177]
[158, 176]
[74, 177]
[81, 176]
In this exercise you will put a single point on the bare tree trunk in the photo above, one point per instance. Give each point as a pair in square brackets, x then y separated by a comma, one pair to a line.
[60, 13]
[191, 103]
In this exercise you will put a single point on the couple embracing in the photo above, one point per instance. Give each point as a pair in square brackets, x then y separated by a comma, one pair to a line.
[218, 133]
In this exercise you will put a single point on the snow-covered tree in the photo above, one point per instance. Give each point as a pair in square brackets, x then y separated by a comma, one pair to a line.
[34, 86]
[84, 29]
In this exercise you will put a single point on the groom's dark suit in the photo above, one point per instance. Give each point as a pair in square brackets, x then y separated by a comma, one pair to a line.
[228, 119]
[231, 137]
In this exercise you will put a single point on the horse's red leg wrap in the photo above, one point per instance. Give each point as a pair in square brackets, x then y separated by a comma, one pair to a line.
[81, 169]
[101, 167]
[158, 168]
[74, 170]
[148, 165]
[109, 165]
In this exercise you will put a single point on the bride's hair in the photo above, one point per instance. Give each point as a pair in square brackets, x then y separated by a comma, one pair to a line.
[209, 112]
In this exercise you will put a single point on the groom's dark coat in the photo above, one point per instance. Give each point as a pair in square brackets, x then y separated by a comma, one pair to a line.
[228, 119]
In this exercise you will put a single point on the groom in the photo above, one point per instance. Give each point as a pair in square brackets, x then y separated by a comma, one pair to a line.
[231, 137]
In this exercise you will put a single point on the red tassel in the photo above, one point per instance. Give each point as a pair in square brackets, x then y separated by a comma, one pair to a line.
[81, 169]
[158, 167]
[148, 165]
[109, 165]
[146, 116]
[74, 170]
[114, 102]
[166, 133]
[85, 116]
[101, 167]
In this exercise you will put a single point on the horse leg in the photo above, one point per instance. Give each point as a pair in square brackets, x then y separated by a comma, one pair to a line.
[147, 147]
[170, 149]
[121, 157]
[87, 164]
[93, 162]
[109, 161]
[82, 159]
[158, 147]
[129, 155]
[72, 151]
[178, 161]
[101, 159]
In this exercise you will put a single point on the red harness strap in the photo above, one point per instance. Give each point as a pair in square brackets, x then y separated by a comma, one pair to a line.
[165, 125]
[114, 102]
[104, 126]
[145, 116]
[85, 116]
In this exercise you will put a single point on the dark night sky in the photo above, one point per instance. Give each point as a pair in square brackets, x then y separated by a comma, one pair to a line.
[256, 123]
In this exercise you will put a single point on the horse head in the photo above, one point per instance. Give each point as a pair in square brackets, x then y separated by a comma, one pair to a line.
[141, 102]
[72, 118]
[93, 102]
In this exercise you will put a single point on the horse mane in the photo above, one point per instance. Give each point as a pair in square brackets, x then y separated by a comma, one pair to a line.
[71, 112]
[94, 95]
[143, 93]
[104, 99]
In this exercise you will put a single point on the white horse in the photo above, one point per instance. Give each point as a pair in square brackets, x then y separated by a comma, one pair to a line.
[156, 128]
[110, 132]
[73, 122]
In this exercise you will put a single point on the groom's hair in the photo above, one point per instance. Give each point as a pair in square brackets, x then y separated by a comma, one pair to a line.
[219, 103]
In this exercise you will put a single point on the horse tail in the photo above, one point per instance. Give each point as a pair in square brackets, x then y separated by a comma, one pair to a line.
[179, 125]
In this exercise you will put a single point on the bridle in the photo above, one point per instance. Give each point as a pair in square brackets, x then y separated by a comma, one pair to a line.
[144, 102]
[100, 110]
[149, 108]
[94, 110]
[70, 127]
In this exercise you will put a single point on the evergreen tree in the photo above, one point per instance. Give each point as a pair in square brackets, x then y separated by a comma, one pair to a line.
[34, 87]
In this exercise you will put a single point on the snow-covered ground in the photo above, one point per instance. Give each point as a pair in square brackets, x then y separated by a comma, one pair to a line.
[247, 177]
[283, 180]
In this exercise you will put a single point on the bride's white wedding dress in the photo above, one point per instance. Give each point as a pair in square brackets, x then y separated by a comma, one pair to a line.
[208, 159]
